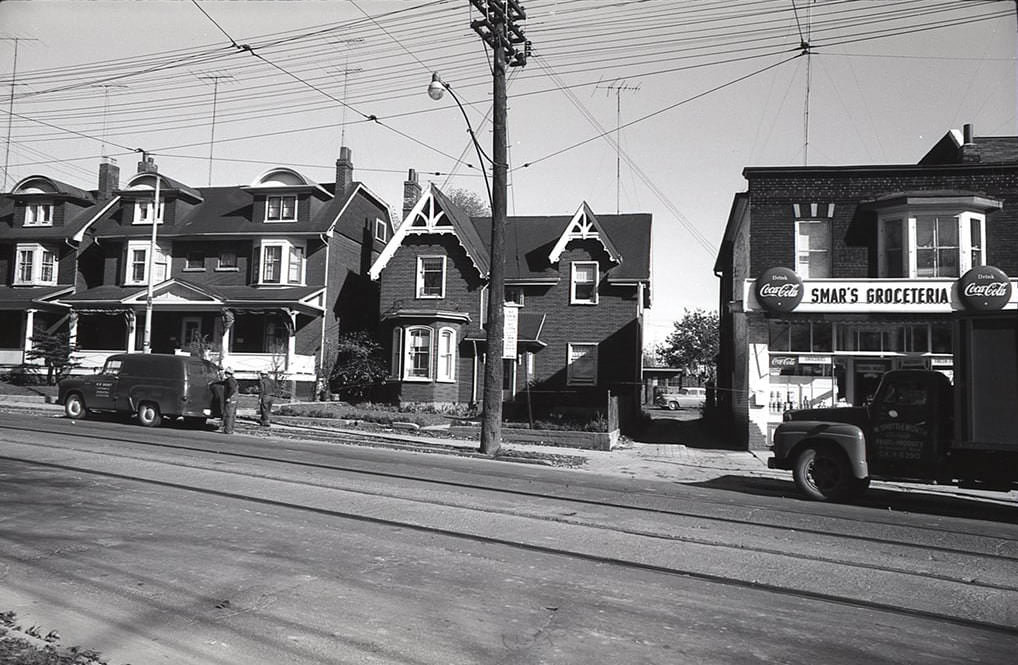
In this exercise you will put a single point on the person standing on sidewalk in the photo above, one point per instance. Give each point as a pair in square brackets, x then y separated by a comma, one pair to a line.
[266, 389]
[230, 390]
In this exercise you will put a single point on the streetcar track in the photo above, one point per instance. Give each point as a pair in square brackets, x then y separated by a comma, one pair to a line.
[557, 551]
[1000, 540]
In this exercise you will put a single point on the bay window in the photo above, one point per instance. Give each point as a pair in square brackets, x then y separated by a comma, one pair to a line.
[136, 268]
[280, 262]
[418, 347]
[446, 355]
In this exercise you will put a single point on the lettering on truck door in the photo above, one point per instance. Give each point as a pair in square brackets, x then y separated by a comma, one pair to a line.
[902, 426]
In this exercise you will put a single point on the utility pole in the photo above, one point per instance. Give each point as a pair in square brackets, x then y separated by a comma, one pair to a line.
[619, 87]
[10, 108]
[215, 78]
[499, 28]
[150, 292]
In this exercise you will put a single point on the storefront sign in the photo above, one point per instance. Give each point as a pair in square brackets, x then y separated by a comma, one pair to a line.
[779, 290]
[984, 288]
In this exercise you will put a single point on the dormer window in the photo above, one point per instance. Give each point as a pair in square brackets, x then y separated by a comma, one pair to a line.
[144, 212]
[281, 209]
[36, 266]
[39, 214]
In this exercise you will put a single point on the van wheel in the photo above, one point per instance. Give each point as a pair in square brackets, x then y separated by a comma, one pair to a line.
[74, 406]
[148, 414]
[823, 474]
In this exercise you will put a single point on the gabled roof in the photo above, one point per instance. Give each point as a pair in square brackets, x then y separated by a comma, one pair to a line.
[281, 179]
[584, 226]
[435, 214]
[187, 192]
[21, 297]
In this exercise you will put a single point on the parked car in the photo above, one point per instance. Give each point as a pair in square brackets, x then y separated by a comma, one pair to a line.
[152, 385]
[682, 398]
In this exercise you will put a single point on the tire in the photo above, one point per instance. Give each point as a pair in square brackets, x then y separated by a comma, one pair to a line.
[148, 414]
[74, 406]
[673, 406]
[823, 473]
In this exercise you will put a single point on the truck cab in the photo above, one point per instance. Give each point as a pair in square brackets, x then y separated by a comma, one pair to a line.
[903, 433]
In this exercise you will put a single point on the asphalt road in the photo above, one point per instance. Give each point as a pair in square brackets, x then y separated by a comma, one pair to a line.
[186, 547]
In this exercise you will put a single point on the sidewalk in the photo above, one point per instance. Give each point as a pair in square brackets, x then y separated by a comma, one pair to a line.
[668, 462]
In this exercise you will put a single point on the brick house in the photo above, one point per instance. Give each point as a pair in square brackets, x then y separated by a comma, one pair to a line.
[39, 218]
[258, 275]
[831, 276]
[576, 289]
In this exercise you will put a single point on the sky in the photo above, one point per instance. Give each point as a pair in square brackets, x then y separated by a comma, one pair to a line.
[628, 105]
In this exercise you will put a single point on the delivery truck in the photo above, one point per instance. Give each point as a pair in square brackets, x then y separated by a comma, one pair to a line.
[918, 427]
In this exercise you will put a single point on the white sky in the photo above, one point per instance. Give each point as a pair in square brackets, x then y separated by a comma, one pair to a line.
[96, 77]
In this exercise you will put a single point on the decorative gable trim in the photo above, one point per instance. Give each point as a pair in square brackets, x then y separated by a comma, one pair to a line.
[584, 226]
[433, 214]
[174, 291]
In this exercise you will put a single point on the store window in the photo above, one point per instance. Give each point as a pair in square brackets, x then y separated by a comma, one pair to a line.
[800, 337]
[813, 248]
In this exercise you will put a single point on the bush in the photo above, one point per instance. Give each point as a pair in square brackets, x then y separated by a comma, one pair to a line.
[24, 375]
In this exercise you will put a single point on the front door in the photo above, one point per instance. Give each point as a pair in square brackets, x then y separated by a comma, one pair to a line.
[190, 332]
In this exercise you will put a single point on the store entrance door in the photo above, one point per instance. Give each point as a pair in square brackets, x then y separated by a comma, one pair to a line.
[867, 377]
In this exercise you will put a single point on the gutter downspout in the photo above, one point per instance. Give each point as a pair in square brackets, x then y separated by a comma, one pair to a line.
[321, 350]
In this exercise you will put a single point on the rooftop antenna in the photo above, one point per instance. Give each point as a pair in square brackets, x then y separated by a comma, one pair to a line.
[106, 109]
[10, 110]
[618, 87]
[215, 78]
[804, 44]
[345, 72]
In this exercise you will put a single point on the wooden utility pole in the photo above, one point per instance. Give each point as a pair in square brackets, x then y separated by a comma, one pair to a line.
[500, 30]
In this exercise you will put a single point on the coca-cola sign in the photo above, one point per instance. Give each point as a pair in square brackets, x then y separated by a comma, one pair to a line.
[779, 290]
[984, 288]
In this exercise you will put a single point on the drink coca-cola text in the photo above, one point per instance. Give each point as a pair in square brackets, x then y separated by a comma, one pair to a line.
[780, 290]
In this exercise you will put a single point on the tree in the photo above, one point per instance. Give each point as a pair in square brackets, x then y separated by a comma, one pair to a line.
[469, 202]
[359, 366]
[694, 343]
[55, 349]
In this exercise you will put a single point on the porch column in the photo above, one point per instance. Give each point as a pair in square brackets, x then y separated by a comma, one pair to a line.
[29, 327]
[226, 340]
[132, 329]
[291, 342]
[72, 329]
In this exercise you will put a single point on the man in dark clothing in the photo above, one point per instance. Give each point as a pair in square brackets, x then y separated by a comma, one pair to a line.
[230, 389]
[266, 389]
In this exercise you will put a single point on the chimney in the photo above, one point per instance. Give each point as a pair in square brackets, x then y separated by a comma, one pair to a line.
[411, 192]
[148, 165]
[969, 149]
[344, 172]
[109, 179]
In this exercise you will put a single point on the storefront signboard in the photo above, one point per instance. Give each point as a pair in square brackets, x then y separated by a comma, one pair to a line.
[984, 288]
[779, 290]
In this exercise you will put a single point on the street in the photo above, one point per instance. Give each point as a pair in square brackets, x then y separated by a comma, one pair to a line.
[178, 546]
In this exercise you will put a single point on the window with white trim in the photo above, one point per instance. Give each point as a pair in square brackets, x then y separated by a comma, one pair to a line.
[931, 245]
[143, 212]
[281, 208]
[381, 230]
[418, 348]
[227, 260]
[396, 370]
[136, 268]
[583, 283]
[581, 368]
[195, 260]
[39, 214]
[430, 276]
[446, 355]
[280, 262]
[813, 248]
[36, 265]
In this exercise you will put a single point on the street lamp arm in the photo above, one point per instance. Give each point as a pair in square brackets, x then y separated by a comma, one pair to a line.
[435, 90]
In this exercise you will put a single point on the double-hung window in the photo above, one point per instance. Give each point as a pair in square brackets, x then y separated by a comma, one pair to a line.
[583, 283]
[195, 260]
[39, 214]
[446, 355]
[430, 276]
[281, 208]
[144, 211]
[418, 347]
[936, 246]
[136, 270]
[281, 262]
[36, 265]
[813, 248]
[581, 369]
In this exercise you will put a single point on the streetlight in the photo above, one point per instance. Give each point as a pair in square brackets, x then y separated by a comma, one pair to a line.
[491, 418]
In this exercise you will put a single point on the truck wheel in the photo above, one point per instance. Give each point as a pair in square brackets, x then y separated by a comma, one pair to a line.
[148, 414]
[673, 406]
[822, 473]
[74, 406]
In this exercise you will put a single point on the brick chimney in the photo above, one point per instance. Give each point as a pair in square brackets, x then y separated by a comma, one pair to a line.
[148, 165]
[109, 179]
[969, 149]
[344, 172]
[411, 193]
